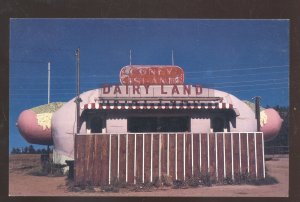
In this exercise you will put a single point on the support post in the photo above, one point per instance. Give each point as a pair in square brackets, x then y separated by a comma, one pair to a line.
[49, 74]
[78, 99]
[257, 111]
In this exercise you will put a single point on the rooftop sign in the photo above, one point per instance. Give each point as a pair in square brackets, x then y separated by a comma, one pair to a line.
[151, 75]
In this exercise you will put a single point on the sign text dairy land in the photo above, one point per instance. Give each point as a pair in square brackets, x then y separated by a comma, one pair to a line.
[150, 89]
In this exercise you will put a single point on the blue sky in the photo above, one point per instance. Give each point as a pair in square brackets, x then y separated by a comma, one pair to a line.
[243, 57]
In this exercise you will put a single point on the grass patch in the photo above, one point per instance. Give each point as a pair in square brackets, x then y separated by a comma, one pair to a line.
[178, 184]
[246, 178]
[201, 180]
[90, 187]
[48, 168]
[206, 180]
[268, 180]
[166, 180]
[142, 187]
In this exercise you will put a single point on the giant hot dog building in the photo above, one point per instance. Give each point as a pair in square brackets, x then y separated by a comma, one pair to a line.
[149, 99]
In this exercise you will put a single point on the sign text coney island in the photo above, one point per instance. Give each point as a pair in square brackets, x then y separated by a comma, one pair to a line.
[151, 74]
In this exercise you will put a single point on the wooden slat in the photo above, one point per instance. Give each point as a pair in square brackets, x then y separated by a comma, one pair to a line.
[89, 156]
[97, 159]
[251, 155]
[236, 156]
[244, 152]
[188, 156]
[204, 153]
[130, 158]
[220, 157]
[139, 157]
[79, 164]
[228, 155]
[94, 168]
[122, 177]
[104, 159]
[172, 155]
[260, 172]
[212, 156]
[164, 154]
[114, 157]
[180, 156]
[196, 154]
[83, 159]
[155, 155]
[147, 157]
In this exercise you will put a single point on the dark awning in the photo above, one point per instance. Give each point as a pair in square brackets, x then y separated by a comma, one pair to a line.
[130, 106]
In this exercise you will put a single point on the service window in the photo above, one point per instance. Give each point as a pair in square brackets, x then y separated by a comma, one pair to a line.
[96, 125]
[158, 124]
[218, 124]
[142, 124]
[174, 124]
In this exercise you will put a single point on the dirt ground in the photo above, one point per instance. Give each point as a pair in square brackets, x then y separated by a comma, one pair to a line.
[23, 184]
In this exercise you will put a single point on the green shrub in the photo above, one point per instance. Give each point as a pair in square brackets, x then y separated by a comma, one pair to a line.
[177, 184]
[205, 179]
[193, 181]
[166, 180]
[268, 180]
[227, 181]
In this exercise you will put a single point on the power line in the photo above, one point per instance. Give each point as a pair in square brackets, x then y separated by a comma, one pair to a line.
[265, 80]
[221, 87]
[42, 49]
[37, 98]
[253, 85]
[72, 89]
[239, 75]
[116, 76]
[27, 61]
[33, 94]
[260, 89]
[91, 87]
[42, 89]
[222, 70]
[66, 77]
[191, 72]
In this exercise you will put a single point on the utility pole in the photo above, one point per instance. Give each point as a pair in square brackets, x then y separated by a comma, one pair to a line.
[257, 111]
[49, 70]
[49, 74]
[130, 57]
[72, 164]
[172, 57]
[78, 99]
